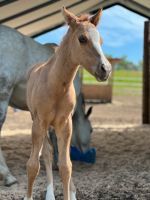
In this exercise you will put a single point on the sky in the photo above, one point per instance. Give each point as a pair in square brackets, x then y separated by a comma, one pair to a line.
[121, 30]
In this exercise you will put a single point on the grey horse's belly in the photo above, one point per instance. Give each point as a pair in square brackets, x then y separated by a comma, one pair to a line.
[18, 97]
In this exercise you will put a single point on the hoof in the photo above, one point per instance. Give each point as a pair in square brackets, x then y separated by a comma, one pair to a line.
[28, 198]
[9, 180]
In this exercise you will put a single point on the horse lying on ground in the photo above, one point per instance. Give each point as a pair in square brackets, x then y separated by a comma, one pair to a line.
[18, 53]
[52, 83]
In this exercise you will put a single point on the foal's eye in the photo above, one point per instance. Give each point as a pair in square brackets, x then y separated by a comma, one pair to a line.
[83, 39]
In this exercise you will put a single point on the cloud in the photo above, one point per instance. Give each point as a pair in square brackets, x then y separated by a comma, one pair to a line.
[120, 26]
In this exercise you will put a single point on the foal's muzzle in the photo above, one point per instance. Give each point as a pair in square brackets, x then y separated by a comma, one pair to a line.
[103, 71]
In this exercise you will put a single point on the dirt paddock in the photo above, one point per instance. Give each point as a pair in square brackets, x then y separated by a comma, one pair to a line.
[122, 168]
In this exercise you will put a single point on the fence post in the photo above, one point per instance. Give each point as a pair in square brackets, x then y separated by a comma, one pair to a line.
[146, 75]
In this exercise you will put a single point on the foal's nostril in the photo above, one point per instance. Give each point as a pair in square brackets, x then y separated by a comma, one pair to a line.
[103, 68]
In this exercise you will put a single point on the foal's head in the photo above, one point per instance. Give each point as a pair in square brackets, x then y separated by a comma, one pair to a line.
[86, 44]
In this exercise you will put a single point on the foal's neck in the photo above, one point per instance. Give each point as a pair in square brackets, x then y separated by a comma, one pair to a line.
[63, 67]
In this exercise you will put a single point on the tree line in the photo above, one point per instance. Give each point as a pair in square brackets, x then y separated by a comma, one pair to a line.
[125, 64]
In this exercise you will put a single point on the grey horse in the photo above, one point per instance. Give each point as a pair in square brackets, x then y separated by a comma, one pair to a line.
[18, 53]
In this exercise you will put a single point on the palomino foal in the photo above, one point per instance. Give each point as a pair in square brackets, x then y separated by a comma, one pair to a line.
[51, 97]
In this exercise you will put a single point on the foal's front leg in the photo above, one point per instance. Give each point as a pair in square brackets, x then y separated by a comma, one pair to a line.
[33, 164]
[64, 134]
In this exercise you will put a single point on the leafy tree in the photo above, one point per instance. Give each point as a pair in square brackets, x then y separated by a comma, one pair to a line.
[128, 65]
[125, 64]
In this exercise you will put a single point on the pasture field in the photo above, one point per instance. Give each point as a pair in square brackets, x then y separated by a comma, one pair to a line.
[125, 82]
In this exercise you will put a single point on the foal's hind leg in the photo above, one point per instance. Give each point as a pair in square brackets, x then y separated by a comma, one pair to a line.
[65, 166]
[53, 140]
[48, 158]
[33, 164]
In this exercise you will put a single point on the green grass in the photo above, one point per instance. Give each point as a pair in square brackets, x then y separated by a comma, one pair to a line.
[89, 79]
[125, 82]
[128, 73]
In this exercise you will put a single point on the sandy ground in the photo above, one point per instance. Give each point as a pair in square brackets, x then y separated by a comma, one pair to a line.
[122, 168]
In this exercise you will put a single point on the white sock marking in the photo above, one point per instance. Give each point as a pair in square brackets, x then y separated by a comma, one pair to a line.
[28, 198]
[73, 196]
[50, 192]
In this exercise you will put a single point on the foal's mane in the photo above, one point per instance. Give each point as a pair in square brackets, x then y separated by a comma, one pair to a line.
[83, 17]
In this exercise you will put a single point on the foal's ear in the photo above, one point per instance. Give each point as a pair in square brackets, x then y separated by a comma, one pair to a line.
[94, 19]
[70, 18]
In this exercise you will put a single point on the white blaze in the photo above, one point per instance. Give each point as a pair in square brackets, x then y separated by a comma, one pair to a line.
[95, 37]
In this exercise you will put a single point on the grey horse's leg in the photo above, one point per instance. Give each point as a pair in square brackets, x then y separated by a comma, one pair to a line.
[5, 93]
[9, 179]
